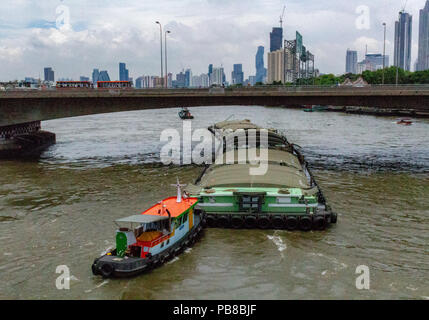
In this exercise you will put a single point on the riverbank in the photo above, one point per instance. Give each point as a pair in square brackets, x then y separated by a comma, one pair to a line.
[379, 112]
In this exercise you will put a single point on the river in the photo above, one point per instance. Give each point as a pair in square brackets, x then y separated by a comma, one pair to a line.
[59, 210]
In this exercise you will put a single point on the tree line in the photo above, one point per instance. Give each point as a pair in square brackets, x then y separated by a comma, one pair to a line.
[372, 77]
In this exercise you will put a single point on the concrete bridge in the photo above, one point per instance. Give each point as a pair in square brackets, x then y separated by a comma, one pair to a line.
[17, 107]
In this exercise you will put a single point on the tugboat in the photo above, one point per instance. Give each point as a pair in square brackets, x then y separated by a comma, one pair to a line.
[154, 236]
[185, 114]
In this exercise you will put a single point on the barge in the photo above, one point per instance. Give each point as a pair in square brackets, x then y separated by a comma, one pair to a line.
[285, 197]
[154, 237]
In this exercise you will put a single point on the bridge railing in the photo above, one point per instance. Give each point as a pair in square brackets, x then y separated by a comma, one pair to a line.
[53, 92]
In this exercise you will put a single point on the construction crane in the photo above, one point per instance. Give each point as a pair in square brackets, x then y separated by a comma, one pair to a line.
[282, 16]
[403, 8]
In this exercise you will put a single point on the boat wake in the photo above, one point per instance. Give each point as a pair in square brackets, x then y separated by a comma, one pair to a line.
[278, 241]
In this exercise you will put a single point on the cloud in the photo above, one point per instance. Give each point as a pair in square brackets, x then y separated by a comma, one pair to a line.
[105, 32]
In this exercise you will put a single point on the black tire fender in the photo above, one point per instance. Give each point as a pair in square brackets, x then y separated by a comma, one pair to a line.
[223, 222]
[305, 223]
[107, 270]
[291, 223]
[95, 270]
[237, 222]
[211, 221]
[264, 222]
[278, 222]
[319, 223]
[250, 222]
[333, 217]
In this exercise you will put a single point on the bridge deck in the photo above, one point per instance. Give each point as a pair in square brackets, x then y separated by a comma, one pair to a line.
[20, 106]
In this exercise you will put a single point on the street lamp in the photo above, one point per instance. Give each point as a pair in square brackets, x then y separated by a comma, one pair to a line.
[384, 50]
[166, 71]
[160, 33]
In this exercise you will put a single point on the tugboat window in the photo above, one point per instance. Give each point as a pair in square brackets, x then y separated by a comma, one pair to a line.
[251, 203]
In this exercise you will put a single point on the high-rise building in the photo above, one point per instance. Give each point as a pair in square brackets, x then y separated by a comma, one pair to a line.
[261, 71]
[95, 76]
[423, 57]
[217, 77]
[210, 70]
[83, 78]
[276, 66]
[237, 75]
[403, 33]
[252, 80]
[140, 82]
[103, 76]
[188, 77]
[123, 72]
[180, 80]
[351, 61]
[276, 39]
[376, 60]
[49, 75]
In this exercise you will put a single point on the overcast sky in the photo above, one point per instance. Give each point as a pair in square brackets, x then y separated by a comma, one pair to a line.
[223, 32]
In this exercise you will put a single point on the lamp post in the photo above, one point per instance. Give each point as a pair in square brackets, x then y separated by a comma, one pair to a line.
[160, 33]
[384, 50]
[166, 71]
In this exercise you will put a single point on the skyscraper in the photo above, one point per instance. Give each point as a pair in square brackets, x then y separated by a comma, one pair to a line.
[180, 80]
[217, 76]
[261, 71]
[423, 57]
[276, 39]
[237, 75]
[351, 61]
[123, 72]
[188, 77]
[210, 70]
[103, 76]
[49, 74]
[403, 32]
[376, 60]
[95, 76]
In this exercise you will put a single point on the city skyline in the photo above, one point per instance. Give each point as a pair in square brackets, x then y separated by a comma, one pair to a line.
[101, 36]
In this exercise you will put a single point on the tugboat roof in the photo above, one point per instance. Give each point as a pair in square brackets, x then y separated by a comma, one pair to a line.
[175, 208]
[139, 218]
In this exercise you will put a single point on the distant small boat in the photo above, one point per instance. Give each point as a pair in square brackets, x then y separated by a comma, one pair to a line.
[185, 114]
[317, 108]
[405, 122]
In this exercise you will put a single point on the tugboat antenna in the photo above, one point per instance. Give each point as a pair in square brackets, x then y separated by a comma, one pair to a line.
[179, 191]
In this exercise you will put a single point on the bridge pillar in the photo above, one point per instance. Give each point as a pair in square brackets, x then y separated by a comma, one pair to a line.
[24, 140]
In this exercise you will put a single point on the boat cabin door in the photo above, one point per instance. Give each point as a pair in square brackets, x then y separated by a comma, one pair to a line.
[251, 202]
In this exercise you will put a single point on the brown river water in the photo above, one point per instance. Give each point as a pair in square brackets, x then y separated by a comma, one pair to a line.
[59, 210]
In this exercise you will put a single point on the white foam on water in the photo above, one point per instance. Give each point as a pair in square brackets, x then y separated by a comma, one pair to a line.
[324, 272]
[174, 260]
[426, 298]
[188, 250]
[102, 284]
[7, 254]
[278, 241]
